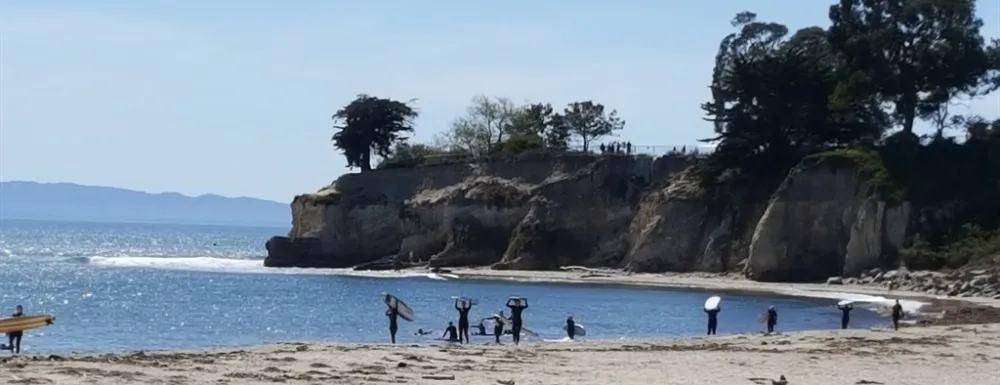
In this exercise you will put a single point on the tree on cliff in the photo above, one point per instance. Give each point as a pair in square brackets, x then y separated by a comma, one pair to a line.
[916, 55]
[586, 120]
[486, 123]
[371, 124]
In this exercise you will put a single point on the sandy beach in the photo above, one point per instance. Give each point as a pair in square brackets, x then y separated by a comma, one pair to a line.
[963, 351]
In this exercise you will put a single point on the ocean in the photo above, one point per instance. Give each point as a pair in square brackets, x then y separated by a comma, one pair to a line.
[123, 287]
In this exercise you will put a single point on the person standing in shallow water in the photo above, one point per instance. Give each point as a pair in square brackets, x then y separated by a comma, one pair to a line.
[772, 319]
[14, 337]
[897, 314]
[463, 322]
[393, 315]
[570, 327]
[515, 317]
[713, 319]
[498, 326]
[845, 316]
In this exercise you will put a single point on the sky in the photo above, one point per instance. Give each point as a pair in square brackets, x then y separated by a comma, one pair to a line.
[235, 97]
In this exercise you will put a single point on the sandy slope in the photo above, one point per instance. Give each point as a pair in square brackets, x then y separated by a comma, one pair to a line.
[967, 355]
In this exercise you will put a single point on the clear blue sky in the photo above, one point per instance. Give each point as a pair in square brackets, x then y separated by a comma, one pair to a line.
[234, 97]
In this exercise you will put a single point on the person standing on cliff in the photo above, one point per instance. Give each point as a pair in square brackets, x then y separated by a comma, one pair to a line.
[516, 307]
[897, 314]
[845, 316]
[463, 322]
[393, 315]
[772, 319]
[713, 319]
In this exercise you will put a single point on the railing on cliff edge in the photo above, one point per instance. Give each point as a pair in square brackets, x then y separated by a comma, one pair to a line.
[608, 149]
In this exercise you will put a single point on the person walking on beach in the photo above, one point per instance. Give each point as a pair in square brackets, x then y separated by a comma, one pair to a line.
[772, 319]
[393, 315]
[516, 307]
[463, 321]
[570, 327]
[452, 333]
[897, 314]
[845, 316]
[14, 337]
[713, 319]
[498, 326]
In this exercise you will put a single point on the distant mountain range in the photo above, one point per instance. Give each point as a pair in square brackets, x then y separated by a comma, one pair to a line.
[73, 202]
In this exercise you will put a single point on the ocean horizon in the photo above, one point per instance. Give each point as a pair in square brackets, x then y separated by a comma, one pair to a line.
[130, 286]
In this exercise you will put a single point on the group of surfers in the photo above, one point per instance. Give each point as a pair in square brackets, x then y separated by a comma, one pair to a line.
[461, 333]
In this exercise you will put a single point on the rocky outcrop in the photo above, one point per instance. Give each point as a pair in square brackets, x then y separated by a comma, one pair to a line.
[983, 282]
[828, 218]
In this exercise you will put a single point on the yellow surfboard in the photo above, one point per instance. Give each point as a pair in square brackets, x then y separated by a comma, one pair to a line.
[27, 322]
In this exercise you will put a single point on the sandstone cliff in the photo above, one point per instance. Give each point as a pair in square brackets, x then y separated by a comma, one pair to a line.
[643, 214]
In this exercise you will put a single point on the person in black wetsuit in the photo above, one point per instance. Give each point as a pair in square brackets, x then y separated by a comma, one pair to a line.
[463, 322]
[897, 314]
[845, 316]
[452, 333]
[570, 327]
[14, 337]
[515, 318]
[498, 326]
[772, 319]
[393, 315]
[481, 329]
[713, 319]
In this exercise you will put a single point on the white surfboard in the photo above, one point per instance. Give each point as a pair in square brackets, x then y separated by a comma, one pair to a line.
[517, 302]
[464, 302]
[404, 310]
[713, 302]
[580, 330]
[845, 302]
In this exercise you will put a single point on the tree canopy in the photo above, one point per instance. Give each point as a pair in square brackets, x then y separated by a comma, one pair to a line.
[370, 124]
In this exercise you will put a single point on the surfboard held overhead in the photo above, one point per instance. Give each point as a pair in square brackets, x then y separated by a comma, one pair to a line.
[517, 302]
[404, 310]
[464, 302]
[712, 302]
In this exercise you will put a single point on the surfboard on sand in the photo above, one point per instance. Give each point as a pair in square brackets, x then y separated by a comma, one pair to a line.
[464, 302]
[845, 302]
[713, 302]
[405, 312]
[580, 331]
[14, 324]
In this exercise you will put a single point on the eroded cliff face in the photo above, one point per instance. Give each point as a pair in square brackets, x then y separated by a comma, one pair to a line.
[638, 213]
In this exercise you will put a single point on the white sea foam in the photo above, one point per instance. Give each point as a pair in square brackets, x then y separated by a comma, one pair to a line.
[909, 306]
[243, 266]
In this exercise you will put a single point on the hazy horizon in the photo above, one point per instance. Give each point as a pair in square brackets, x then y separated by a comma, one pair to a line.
[235, 98]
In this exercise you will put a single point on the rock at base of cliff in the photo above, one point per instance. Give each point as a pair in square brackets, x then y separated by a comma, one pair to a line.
[294, 252]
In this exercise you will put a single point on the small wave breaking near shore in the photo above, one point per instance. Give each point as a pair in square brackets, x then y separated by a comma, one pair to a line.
[241, 266]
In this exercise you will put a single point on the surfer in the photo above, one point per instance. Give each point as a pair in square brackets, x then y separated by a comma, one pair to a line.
[772, 319]
[498, 326]
[463, 321]
[845, 316]
[897, 313]
[570, 327]
[515, 318]
[393, 315]
[14, 337]
[713, 319]
[482, 329]
[422, 332]
[451, 332]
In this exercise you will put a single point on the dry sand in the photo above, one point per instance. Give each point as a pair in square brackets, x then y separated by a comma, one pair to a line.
[959, 354]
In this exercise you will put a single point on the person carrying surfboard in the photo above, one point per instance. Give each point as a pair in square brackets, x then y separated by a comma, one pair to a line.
[393, 315]
[516, 307]
[14, 337]
[713, 319]
[498, 326]
[845, 316]
[570, 327]
[463, 320]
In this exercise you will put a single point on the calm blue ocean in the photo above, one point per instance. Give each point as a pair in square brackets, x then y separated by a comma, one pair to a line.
[117, 287]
